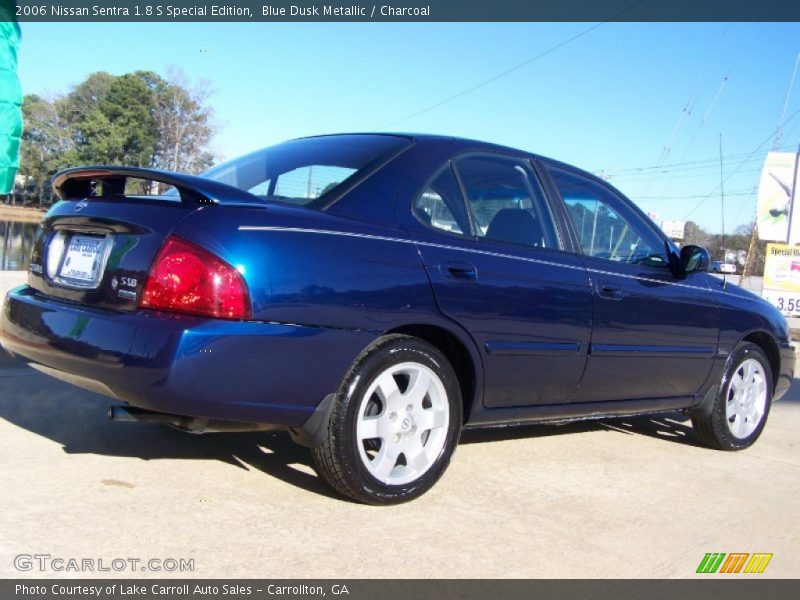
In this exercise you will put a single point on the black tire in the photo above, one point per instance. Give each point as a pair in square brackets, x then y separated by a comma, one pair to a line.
[711, 422]
[340, 459]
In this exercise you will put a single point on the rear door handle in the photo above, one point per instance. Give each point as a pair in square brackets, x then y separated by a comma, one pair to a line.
[610, 291]
[462, 270]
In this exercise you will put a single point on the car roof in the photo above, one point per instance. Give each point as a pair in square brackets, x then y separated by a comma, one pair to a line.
[430, 137]
[463, 144]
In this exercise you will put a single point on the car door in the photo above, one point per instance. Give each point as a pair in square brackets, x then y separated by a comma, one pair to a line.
[654, 335]
[498, 268]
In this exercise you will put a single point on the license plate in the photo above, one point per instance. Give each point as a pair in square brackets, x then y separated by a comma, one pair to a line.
[83, 260]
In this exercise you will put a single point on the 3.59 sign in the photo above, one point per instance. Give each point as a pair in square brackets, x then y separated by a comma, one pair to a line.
[786, 302]
[788, 305]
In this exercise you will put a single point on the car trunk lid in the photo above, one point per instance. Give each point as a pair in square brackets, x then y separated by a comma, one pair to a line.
[97, 245]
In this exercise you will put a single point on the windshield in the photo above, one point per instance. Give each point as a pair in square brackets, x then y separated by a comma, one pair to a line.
[310, 171]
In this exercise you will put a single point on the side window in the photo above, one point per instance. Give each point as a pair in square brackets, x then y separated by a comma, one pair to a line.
[506, 201]
[260, 189]
[605, 226]
[441, 205]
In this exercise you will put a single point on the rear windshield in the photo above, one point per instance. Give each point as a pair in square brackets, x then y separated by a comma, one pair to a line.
[308, 172]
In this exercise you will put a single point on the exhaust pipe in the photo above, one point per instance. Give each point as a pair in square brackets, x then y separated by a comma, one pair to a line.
[132, 414]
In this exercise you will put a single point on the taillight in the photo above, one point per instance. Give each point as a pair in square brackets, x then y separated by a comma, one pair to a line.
[189, 279]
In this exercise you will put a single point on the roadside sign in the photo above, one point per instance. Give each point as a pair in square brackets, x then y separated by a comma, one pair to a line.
[674, 229]
[782, 278]
[777, 221]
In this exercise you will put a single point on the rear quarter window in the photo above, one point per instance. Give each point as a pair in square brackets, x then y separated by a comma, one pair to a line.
[309, 172]
[441, 205]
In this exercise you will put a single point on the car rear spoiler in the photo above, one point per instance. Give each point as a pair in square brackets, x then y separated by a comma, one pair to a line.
[87, 182]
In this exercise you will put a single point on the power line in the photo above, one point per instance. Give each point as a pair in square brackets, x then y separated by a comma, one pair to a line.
[627, 180]
[510, 70]
[732, 173]
[750, 194]
[715, 161]
[747, 192]
[700, 126]
[684, 118]
[776, 144]
[689, 171]
[711, 106]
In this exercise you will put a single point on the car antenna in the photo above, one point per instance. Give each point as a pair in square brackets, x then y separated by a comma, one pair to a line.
[722, 211]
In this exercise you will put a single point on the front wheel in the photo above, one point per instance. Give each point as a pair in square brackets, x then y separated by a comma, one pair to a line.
[736, 417]
[395, 423]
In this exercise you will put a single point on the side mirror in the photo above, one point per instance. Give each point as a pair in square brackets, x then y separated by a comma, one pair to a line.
[694, 259]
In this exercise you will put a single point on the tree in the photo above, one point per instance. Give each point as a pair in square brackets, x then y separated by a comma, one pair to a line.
[184, 123]
[138, 119]
[87, 97]
[121, 128]
[695, 235]
[47, 145]
[745, 233]
[736, 245]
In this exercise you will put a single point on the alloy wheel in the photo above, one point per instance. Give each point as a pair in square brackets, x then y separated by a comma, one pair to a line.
[402, 423]
[747, 398]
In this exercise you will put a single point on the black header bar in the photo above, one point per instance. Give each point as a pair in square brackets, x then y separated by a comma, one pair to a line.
[405, 10]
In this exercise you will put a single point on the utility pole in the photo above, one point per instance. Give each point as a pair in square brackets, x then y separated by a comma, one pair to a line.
[776, 144]
[722, 209]
[308, 186]
[791, 237]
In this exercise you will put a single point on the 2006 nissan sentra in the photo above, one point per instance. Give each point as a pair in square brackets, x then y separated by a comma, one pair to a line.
[375, 294]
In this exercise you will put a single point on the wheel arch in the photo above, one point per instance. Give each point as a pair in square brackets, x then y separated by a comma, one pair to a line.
[457, 351]
[769, 345]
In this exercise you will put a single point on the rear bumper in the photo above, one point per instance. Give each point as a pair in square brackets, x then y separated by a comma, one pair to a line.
[786, 372]
[238, 371]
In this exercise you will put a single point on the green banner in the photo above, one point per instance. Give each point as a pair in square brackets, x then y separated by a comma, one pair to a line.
[10, 99]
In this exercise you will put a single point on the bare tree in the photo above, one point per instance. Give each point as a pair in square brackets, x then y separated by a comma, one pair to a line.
[185, 124]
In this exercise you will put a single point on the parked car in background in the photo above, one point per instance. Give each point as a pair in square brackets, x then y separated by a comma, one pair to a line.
[375, 294]
[719, 266]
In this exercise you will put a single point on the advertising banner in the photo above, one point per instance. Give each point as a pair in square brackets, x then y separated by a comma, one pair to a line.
[674, 229]
[10, 102]
[782, 277]
[775, 196]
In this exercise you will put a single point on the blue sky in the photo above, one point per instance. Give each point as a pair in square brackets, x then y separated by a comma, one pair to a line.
[610, 101]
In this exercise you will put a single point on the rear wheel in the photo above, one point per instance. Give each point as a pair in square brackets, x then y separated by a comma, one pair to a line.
[395, 423]
[736, 417]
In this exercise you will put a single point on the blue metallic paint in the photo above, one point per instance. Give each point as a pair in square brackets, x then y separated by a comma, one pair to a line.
[241, 371]
[325, 284]
[520, 296]
[652, 310]
[743, 315]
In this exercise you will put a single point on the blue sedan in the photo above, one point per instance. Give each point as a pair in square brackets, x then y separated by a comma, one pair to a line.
[375, 294]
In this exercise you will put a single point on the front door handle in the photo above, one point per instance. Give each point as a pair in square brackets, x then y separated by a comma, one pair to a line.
[610, 291]
[462, 270]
